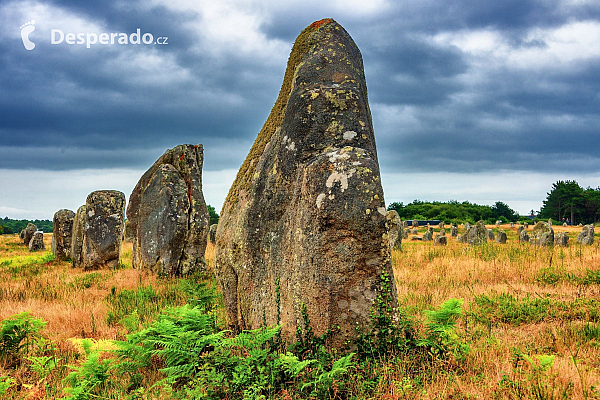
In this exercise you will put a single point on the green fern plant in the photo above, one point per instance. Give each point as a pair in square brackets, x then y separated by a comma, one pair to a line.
[18, 334]
[91, 379]
[441, 338]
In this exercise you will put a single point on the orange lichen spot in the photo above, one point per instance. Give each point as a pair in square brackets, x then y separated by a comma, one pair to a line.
[318, 24]
[181, 157]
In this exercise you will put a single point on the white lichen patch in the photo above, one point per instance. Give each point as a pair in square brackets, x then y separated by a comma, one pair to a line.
[287, 142]
[382, 211]
[320, 199]
[349, 135]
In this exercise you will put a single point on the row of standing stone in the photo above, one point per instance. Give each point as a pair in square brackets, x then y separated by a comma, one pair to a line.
[542, 233]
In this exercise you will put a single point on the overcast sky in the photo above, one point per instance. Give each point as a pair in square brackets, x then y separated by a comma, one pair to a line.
[479, 101]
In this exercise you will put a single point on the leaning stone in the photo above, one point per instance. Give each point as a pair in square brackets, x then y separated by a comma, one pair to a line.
[414, 231]
[561, 239]
[440, 240]
[478, 234]
[303, 225]
[490, 234]
[62, 234]
[77, 238]
[394, 225]
[22, 234]
[30, 230]
[586, 236]
[37, 242]
[542, 234]
[212, 233]
[168, 216]
[454, 231]
[501, 236]
[103, 229]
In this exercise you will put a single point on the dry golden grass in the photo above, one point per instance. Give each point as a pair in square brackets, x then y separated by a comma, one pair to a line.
[73, 302]
[427, 275]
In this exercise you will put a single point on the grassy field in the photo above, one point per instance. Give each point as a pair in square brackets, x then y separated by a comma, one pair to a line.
[529, 326]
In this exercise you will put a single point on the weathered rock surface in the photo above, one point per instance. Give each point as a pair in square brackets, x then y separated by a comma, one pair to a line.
[212, 233]
[77, 238]
[103, 232]
[428, 235]
[30, 230]
[441, 225]
[561, 239]
[22, 234]
[417, 238]
[414, 231]
[405, 233]
[501, 236]
[127, 232]
[307, 207]
[498, 222]
[586, 236]
[440, 240]
[454, 231]
[62, 234]
[467, 227]
[415, 223]
[491, 235]
[477, 234]
[37, 241]
[394, 226]
[168, 216]
[542, 234]
[523, 236]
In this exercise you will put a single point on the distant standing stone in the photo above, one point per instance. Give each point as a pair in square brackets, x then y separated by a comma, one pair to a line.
[77, 238]
[62, 234]
[212, 233]
[30, 230]
[103, 234]
[550, 221]
[427, 236]
[22, 234]
[498, 222]
[414, 231]
[565, 224]
[512, 224]
[440, 240]
[561, 239]
[542, 234]
[394, 226]
[490, 235]
[441, 225]
[405, 233]
[454, 231]
[478, 234]
[168, 215]
[526, 225]
[523, 237]
[415, 223]
[467, 226]
[501, 237]
[586, 236]
[37, 242]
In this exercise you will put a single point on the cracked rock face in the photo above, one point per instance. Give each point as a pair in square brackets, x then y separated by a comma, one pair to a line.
[103, 229]
[167, 215]
[307, 208]
[542, 234]
[28, 233]
[77, 238]
[62, 234]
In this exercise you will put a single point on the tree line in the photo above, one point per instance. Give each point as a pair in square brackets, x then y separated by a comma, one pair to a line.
[8, 225]
[455, 212]
[568, 202]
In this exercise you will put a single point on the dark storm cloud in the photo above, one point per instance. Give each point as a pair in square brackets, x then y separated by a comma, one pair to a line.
[435, 106]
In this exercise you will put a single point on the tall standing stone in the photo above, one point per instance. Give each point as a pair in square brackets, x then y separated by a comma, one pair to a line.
[77, 237]
[561, 239]
[501, 236]
[30, 230]
[491, 236]
[477, 234]
[415, 223]
[454, 231]
[62, 234]
[104, 216]
[212, 234]
[305, 219]
[37, 241]
[394, 226]
[168, 216]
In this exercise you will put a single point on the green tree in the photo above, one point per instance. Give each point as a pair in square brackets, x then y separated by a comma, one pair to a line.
[591, 199]
[565, 199]
[501, 209]
[214, 217]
